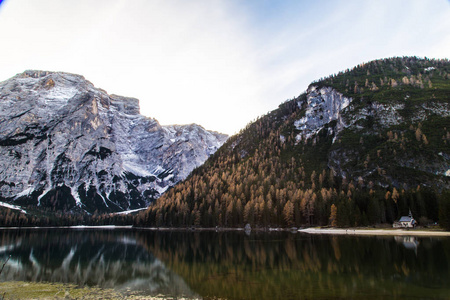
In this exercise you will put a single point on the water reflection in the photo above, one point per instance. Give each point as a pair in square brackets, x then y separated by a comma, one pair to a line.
[295, 266]
[233, 265]
[108, 259]
[409, 242]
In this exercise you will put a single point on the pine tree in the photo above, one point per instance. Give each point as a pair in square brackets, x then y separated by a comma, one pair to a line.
[333, 216]
[444, 211]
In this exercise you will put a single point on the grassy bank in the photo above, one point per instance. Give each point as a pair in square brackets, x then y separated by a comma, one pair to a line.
[42, 290]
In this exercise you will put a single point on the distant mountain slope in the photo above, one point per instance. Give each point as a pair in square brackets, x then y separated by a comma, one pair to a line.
[360, 147]
[65, 145]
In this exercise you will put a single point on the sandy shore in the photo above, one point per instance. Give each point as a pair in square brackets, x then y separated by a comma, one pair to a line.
[374, 232]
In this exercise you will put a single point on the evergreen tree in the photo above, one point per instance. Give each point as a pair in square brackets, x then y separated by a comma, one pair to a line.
[444, 211]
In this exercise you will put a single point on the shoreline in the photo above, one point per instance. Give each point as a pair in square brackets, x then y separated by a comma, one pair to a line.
[385, 232]
[311, 230]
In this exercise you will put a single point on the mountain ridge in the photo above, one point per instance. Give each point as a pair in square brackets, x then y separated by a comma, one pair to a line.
[372, 141]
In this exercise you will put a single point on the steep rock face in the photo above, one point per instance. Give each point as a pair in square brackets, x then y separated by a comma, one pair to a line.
[322, 106]
[345, 119]
[66, 144]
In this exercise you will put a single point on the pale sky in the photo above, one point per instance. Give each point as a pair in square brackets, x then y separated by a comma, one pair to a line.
[216, 63]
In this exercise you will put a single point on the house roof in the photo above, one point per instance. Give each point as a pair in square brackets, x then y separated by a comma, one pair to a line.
[405, 219]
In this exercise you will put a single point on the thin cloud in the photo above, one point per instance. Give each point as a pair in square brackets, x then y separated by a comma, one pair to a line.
[216, 63]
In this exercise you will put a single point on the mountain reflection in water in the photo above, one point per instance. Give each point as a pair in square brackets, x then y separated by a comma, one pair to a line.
[232, 265]
[107, 259]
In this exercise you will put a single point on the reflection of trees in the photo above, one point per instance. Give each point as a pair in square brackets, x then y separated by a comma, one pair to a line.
[282, 265]
[231, 265]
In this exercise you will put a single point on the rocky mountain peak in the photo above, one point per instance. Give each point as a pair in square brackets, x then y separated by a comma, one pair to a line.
[68, 145]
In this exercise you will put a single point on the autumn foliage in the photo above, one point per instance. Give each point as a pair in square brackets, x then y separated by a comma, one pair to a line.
[265, 176]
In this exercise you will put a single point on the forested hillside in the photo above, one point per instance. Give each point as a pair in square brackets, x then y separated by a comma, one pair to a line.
[360, 147]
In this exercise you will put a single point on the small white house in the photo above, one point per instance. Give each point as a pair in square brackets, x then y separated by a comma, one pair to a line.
[405, 222]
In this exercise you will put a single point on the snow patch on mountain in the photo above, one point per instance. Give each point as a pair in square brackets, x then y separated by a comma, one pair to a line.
[14, 207]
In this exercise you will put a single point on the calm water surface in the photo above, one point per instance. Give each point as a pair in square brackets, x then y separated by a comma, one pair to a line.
[231, 265]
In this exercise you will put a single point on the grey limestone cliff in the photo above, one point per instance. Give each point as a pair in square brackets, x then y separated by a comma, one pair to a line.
[346, 119]
[65, 144]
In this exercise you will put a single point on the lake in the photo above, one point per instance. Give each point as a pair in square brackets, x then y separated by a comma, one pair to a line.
[230, 265]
